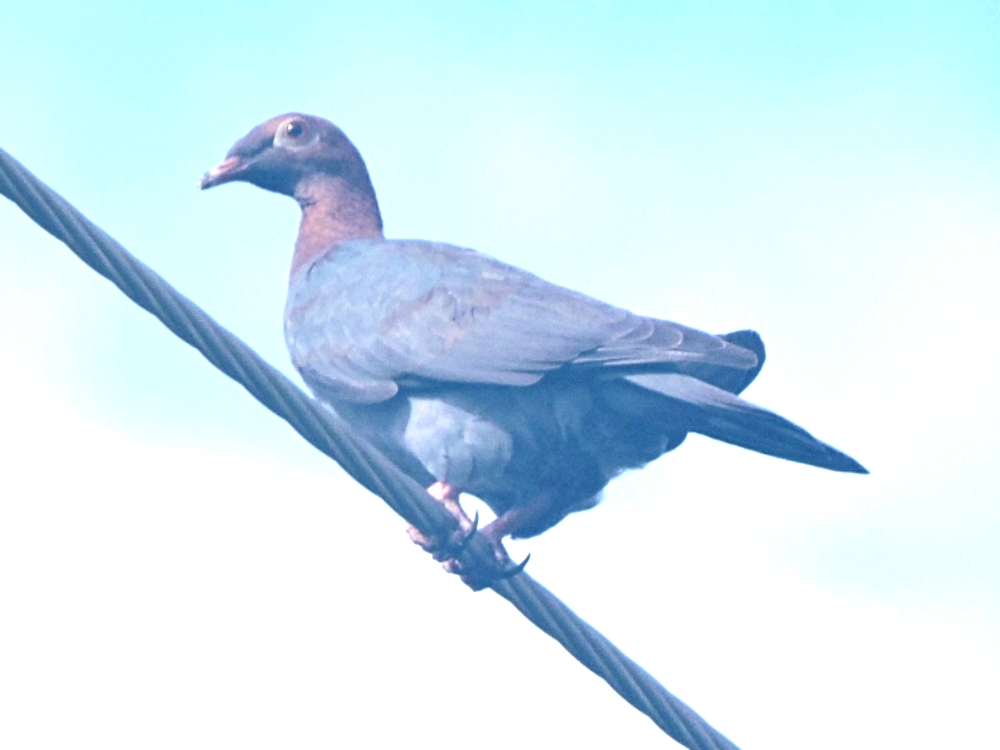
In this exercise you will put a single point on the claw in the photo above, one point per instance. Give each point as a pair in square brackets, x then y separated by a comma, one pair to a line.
[477, 580]
[470, 533]
[446, 550]
[516, 569]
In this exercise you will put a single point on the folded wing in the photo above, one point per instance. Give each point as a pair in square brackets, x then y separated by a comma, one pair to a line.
[372, 317]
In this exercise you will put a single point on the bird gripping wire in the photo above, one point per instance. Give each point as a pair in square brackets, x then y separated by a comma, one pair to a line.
[331, 435]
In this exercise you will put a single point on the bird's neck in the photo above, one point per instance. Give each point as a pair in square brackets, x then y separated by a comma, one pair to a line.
[334, 209]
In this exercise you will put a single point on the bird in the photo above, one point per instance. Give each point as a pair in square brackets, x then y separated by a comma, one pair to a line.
[475, 376]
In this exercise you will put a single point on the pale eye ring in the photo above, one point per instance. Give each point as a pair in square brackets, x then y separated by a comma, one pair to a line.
[294, 132]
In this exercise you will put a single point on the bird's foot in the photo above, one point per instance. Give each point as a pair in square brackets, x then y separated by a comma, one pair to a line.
[448, 495]
[478, 576]
[442, 549]
[447, 550]
[511, 522]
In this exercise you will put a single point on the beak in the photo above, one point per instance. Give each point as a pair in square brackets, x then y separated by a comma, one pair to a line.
[229, 170]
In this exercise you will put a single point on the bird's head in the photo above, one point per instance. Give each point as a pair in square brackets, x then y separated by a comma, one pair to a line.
[279, 154]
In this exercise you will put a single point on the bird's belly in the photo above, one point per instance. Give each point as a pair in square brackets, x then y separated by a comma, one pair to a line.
[509, 445]
[457, 445]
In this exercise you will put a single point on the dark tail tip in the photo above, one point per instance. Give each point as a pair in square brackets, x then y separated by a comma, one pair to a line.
[748, 340]
[843, 462]
[851, 466]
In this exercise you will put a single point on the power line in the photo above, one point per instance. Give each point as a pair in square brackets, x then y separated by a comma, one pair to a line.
[334, 437]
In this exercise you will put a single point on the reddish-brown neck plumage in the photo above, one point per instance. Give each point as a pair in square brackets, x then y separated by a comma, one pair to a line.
[334, 209]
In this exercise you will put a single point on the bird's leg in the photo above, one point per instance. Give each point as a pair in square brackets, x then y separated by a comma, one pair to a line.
[447, 495]
[507, 523]
[510, 522]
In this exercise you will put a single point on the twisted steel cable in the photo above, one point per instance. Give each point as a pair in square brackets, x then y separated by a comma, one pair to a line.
[334, 437]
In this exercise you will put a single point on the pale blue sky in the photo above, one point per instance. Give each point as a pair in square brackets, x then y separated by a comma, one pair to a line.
[178, 569]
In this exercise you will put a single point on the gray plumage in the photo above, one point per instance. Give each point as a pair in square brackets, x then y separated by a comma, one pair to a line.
[471, 372]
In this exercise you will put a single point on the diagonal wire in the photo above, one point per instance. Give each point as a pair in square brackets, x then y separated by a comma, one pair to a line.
[334, 437]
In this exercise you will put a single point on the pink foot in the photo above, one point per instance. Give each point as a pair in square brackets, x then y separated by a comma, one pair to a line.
[445, 549]
[448, 495]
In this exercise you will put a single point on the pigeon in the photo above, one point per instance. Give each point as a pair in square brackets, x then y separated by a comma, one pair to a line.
[474, 376]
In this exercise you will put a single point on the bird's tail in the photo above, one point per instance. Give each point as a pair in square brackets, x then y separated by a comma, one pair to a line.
[718, 414]
[729, 378]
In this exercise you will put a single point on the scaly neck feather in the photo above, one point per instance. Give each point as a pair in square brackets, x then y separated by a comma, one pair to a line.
[334, 209]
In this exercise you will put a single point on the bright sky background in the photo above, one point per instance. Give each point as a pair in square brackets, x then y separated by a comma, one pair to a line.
[179, 569]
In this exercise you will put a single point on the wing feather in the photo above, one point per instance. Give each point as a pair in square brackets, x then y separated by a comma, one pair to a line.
[372, 316]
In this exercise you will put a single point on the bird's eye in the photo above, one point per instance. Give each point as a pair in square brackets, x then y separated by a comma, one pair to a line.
[293, 133]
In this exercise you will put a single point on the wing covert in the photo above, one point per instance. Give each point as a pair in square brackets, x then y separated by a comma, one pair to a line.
[370, 316]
